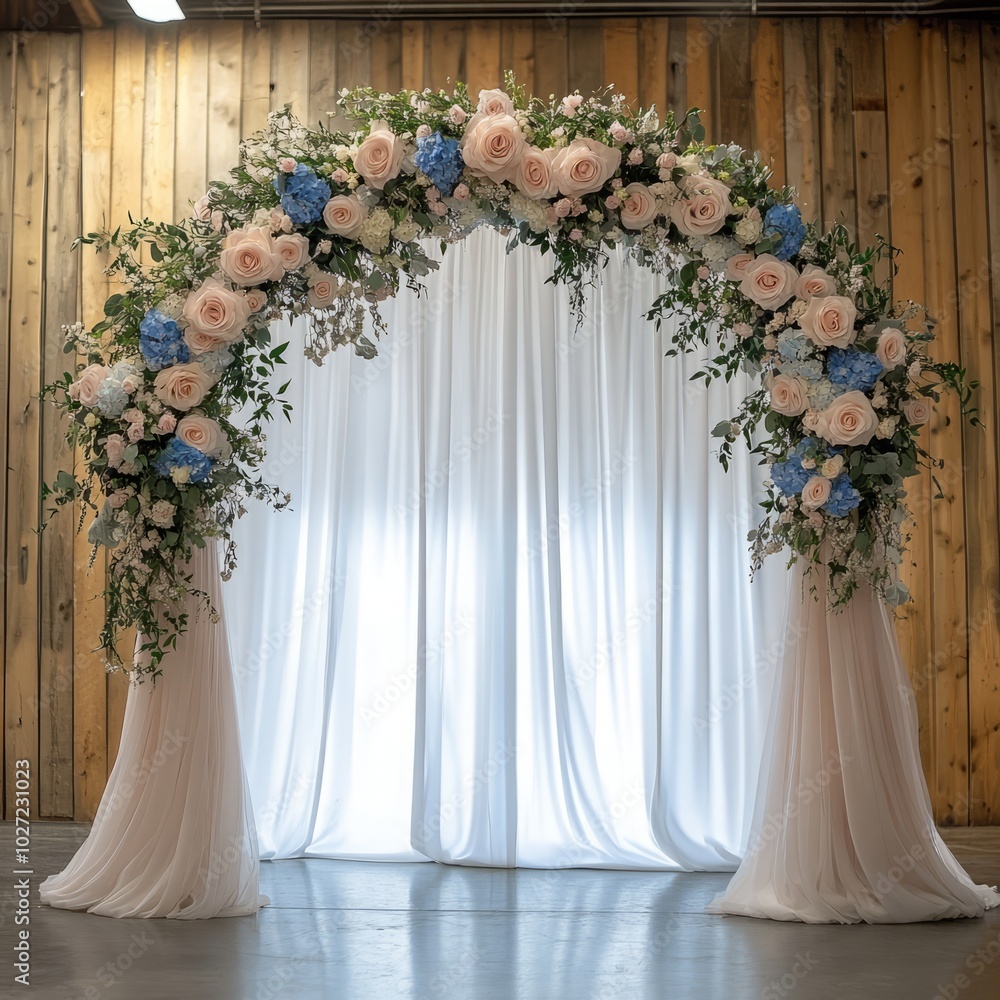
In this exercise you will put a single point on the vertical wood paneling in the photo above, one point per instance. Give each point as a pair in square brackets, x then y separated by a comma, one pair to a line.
[985, 683]
[62, 286]
[8, 67]
[90, 697]
[767, 100]
[978, 347]
[800, 59]
[859, 127]
[23, 429]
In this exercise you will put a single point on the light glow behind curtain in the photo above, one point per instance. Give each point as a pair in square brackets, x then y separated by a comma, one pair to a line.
[508, 620]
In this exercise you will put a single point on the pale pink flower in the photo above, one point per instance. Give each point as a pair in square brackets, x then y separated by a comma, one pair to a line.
[287, 164]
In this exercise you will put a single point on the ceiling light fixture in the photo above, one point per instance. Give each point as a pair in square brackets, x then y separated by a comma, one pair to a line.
[157, 10]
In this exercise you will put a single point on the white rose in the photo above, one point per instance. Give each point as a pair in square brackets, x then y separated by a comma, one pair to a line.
[829, 320]
[494, 102]
[833, 466]
[639, 208]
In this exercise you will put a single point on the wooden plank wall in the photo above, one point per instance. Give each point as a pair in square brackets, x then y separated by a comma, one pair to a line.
[892, 128]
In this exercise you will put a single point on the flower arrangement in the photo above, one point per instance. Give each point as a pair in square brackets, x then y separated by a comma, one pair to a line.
[171, 402]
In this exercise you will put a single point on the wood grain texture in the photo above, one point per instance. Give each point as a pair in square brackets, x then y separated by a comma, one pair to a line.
[891, 127]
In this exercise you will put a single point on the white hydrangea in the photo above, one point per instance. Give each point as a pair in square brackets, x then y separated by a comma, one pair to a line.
[406, 230]
[376, 230]
[748, 230]
[525, 209]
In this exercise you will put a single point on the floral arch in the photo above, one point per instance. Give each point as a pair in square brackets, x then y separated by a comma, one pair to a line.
[327, 224]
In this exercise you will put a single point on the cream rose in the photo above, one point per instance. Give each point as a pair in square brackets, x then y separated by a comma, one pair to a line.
[322, 292]
[814, 281]
[891, 347]
[535, 176]
[249, 257]
[639, 209]
[815, 493]
[703, 207]
[768, 281]
[256, 299]
[848, 420]
[829, 320]
[204, 434]
[183, 386]
[379, 156]
[293, 249]
[833, 466]
[493, 146]
[215, 315]
[917, 411]
[585, 166]
[85, 387]
[494, 102]
[737, 264]
[788, 395]
[345, 215]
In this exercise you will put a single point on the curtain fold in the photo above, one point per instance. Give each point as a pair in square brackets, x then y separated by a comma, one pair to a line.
[508, 620]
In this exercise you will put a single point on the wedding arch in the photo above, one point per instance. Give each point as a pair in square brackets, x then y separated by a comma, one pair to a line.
[170, 407]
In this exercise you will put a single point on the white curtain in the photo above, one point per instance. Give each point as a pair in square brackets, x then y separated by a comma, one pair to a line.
[508, 620]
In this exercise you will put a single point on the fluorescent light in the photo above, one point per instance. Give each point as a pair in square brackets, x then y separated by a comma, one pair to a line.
[157, 10]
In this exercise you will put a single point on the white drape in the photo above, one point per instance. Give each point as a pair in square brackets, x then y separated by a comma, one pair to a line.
[508, 620]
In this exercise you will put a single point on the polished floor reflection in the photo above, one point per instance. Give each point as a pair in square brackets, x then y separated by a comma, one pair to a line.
[341, 930]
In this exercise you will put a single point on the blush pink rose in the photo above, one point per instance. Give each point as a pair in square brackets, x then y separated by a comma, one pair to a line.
[203, 209]
[768, 281]
[848, 420]
[493, 102]
[535, 176]
[585, 166]
[788, 395]
[815, 493]
[85, 387]
[829, 320]
[166, 423]
[136, 432]
[703, 207]
[293, 249]
[215, 315]
[737, 264]
[345, 215]
[813, 281]
[380, 156]
[493, 146]
[917, 411]
[249, 257]
[183, 387]
[456, 114]
[204, 434]
[115, 448]
[256, 299]
[322, 291]
[640, 208]
[891, 347]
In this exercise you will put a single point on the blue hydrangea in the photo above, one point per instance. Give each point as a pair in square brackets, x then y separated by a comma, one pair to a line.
[810, 369]
[440, 158]
[843, 496]
[111, 398]
[303, 194]
[178, 455]
[793, 344]
[785, 221]
[851, 368]
[790, 476]
[161, 341]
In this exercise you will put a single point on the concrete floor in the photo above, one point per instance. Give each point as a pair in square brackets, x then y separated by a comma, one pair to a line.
[358, 931]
